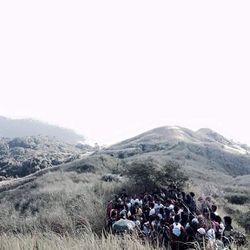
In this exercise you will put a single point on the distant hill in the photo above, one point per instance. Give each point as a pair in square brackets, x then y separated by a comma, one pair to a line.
[12, 128]
[202, 151]
[22, 156]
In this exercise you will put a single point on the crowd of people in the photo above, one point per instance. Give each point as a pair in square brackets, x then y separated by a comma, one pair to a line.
[169, 217]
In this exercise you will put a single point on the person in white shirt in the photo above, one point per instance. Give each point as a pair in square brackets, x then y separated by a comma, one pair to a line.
[152, 209]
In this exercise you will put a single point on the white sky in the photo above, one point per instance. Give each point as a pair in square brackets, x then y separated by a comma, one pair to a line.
[113, 69]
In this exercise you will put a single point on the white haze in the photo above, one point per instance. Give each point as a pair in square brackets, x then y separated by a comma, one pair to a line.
[113, 69]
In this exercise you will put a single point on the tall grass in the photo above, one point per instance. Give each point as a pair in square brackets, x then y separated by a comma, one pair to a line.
[64, 210]
[64, 203]
[88, 241]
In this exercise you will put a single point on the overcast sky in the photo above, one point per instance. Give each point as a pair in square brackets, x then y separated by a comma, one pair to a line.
[113, 69]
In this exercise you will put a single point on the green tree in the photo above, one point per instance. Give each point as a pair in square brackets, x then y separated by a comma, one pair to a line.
[148, 175]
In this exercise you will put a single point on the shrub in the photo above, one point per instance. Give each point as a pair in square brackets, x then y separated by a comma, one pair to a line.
[148, 175]
[238, 199]
[244, 220]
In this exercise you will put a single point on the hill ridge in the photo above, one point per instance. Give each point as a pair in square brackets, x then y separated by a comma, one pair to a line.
[205, 149]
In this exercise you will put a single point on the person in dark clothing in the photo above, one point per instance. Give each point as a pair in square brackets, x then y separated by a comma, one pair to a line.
[221, 227]
[214, 209]
[112, 219]
[191, 230]
[193, 206]
[227, 233]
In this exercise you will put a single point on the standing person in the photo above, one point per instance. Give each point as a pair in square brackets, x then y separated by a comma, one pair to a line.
[193, 206]
[177, 234]
[152, 209]
[227, 233]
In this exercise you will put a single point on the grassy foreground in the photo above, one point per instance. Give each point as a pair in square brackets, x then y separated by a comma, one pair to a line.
[67, 210]
[87, 241]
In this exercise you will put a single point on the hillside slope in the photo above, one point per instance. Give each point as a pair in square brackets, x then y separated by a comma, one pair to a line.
[66, 197]
[196, 151]
[22, 156]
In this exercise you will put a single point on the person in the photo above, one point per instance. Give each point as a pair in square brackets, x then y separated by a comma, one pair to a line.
[191, 230]
[112, 219]
[109, 208]
[165, 235]
[156, 223]
[123, 211]
[152, 209]
[214, 209]
[221, 227]
[215, 224]
[176, 221]
[146, 229]
[157, 206]
[177, 234]
[193, 206]
[227, 233]
[138, 211]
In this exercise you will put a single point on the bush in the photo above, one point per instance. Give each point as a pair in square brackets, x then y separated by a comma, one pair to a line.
[238, 199]
[244, 220]
[148, 175]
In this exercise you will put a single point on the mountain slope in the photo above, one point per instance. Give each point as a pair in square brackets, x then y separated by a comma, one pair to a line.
[201, 150]
[12, 128]
[22, 156]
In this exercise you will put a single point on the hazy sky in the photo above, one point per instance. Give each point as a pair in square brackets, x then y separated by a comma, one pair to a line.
[113, 69]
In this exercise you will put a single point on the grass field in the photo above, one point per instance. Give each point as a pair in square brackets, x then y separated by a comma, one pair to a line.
[67, 210]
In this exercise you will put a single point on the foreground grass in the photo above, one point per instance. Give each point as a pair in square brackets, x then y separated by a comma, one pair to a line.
[60, 202]
[87, 241]
[54, 210]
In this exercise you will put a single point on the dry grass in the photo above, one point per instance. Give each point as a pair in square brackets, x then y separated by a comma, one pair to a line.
[88, 241]
[61, 202]
[66, 210]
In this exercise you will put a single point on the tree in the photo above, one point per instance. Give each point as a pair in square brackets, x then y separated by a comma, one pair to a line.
[148, 175]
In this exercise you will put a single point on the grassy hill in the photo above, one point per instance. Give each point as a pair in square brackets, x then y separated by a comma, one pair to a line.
[198, 151]
[70, 199]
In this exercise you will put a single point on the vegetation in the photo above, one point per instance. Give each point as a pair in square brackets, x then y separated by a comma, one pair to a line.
[245, 221]
[239, 199]
[149, 175]
[20, 157]
[59, 202]
[86, 240]
[66, 208]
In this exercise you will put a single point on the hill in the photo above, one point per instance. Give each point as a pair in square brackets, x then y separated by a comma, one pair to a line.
[12, 128]
[69, 197]
[25, 155]
[198, 151]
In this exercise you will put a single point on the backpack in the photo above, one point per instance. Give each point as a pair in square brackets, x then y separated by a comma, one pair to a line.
[176, 229]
